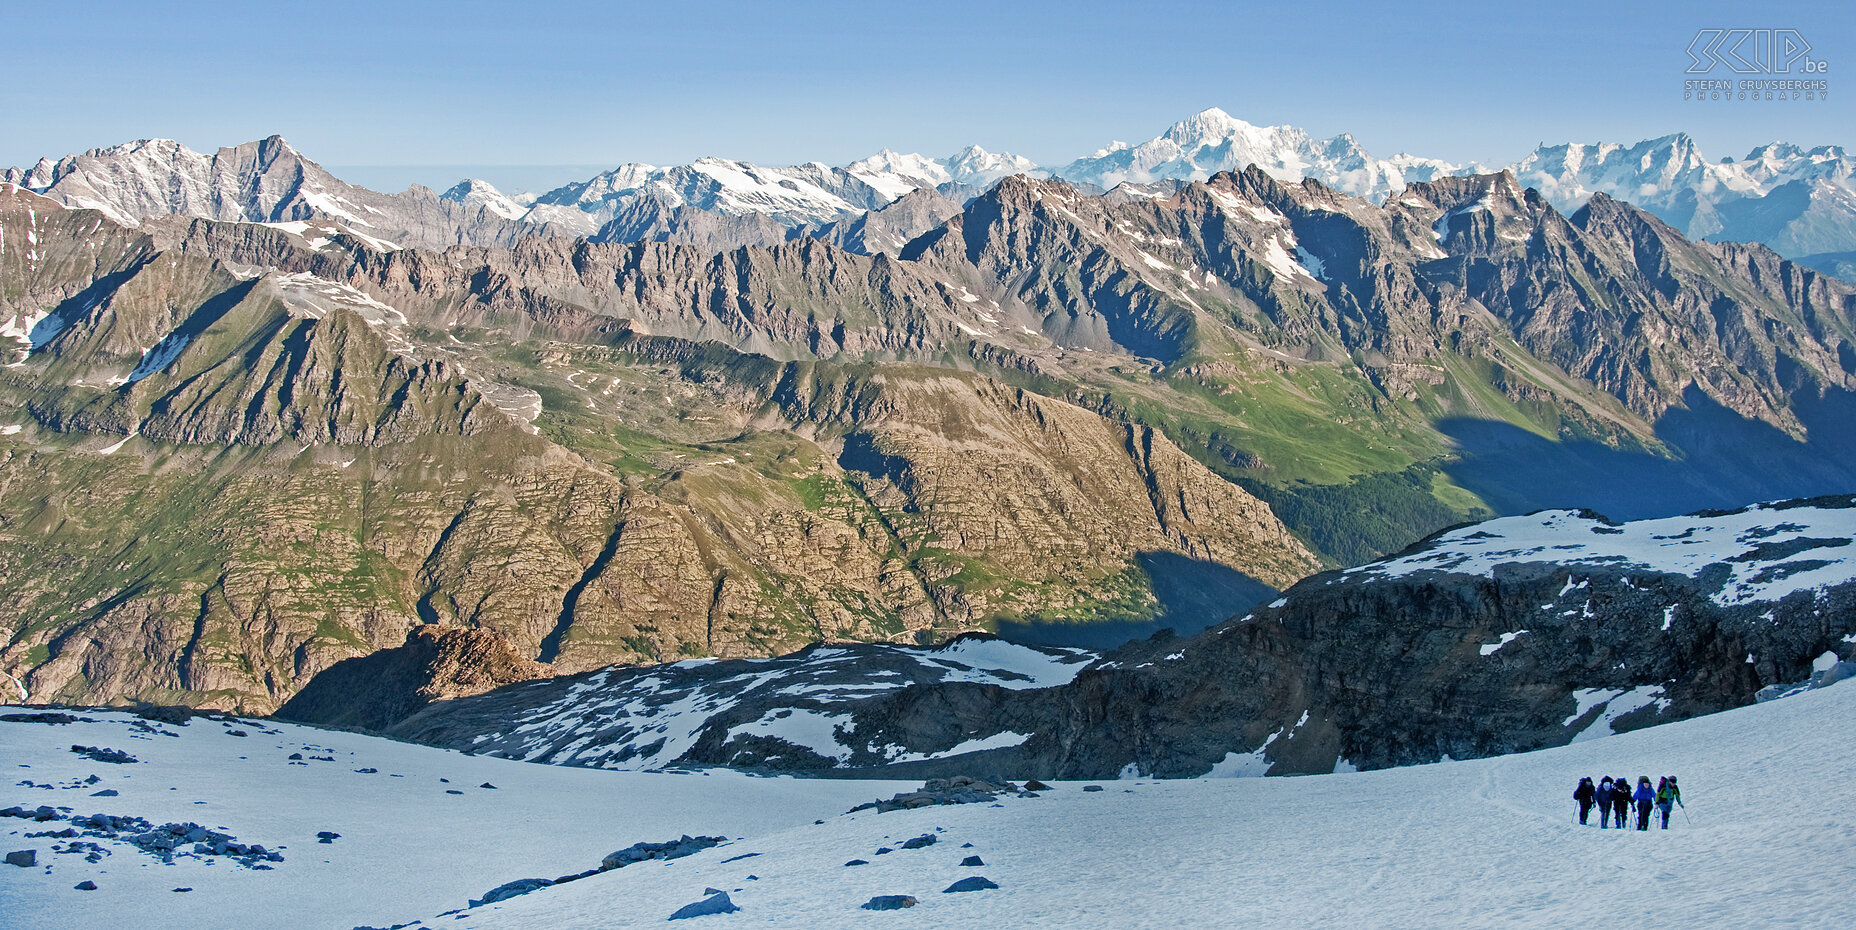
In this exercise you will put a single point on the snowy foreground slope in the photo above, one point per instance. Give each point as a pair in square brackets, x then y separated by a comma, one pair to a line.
[1484, 843]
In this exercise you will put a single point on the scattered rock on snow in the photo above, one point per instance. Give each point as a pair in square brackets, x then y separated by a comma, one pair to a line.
[974, 883]
[174, 714]
[971, 862]
[926, 839]
[960, 789]
[52, 718]
[1092, 787]
[1035, 785]
[24, 858]
[100, 754]
[509, 890]
[717, 903]
[640, 852]
[85, 886]
[857, 862]
[889, 902]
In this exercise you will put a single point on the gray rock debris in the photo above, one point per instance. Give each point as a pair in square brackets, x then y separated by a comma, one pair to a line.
[640, 852]
[974, 883]
[889, 902]
[717, 903]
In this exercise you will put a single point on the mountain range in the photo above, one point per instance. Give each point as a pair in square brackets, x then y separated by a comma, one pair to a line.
[263, 434]
[1800, 202]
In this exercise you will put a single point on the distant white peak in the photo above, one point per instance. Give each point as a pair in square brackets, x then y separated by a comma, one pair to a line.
[475, 192]
[976, 167]
[908, 165]
[1207, 124]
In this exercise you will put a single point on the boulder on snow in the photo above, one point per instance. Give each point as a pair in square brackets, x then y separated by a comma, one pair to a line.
[24, 858]
[889, 902]
[974, 883]
[926, 839]
[960, 789]
[85, 885]
[104, 754]
[717, 903]
[971, 862]
[507, 890]
[677, 849]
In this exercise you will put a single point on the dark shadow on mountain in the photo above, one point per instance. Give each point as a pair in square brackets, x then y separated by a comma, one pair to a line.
[1193, 595]
[1722, 460]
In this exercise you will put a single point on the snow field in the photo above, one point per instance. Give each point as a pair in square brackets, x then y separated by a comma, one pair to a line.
[1769, 839]
[407, 848]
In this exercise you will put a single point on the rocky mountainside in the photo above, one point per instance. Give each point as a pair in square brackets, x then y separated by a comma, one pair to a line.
[1051, 412]
[1505, 636]
[225, 472]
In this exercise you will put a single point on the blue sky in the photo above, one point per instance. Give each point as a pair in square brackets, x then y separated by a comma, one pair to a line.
[598, 84]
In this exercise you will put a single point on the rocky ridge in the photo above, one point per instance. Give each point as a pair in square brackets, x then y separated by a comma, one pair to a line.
[1493, 638]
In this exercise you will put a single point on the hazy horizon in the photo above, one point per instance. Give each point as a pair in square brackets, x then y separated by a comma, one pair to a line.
[477, 84]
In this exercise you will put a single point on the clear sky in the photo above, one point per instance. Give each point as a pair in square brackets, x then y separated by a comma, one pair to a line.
[783, 81]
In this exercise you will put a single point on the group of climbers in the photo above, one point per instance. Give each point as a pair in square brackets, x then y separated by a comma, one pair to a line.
[1613, 798]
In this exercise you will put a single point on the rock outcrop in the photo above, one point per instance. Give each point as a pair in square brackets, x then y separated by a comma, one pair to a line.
[1494, 638]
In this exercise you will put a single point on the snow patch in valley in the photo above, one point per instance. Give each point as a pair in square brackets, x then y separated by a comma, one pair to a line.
[1314, 266]
[1489, 649]
[1616, 703]
[114, 447]
[1002, 740]
[327, 203]
[1008, 665]
[809, 729]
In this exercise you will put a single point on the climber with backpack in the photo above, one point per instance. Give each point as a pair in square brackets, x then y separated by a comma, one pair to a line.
[1583, 795]
[1667, 794]
[1645, 797]
[1620, 801]
[1603, 796]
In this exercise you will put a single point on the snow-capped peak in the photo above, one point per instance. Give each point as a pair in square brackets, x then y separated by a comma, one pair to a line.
[474, 192]
[1212, 140]
[1208, 126]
